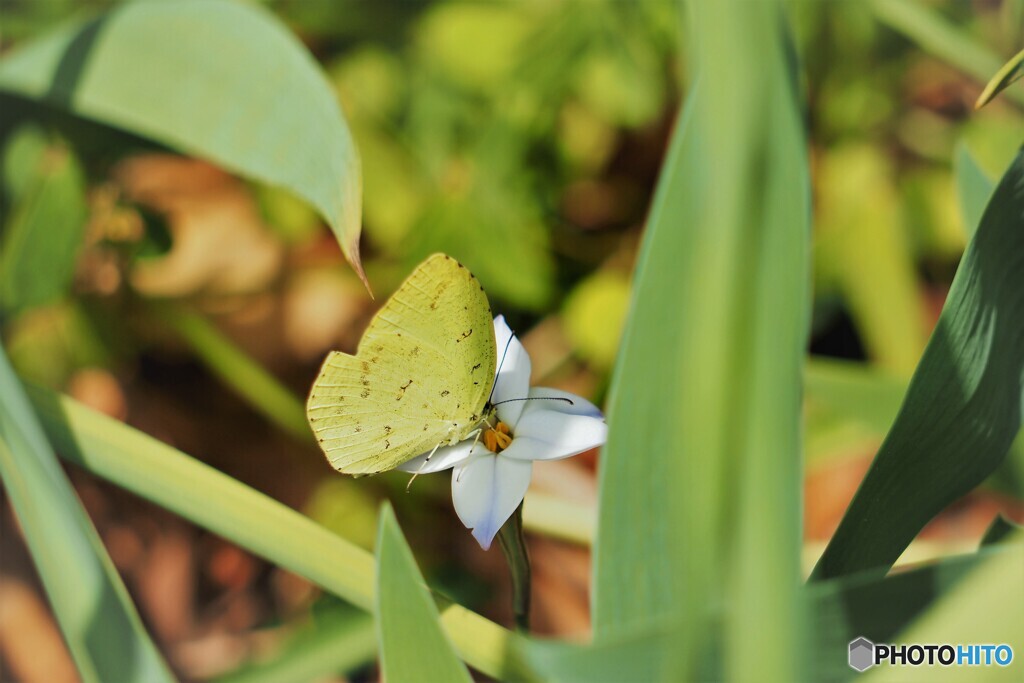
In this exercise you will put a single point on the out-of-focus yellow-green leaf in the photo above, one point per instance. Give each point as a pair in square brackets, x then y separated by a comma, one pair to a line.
[343, 506]
[412, 645]
[40, 242]
[622, 85]
[261, 108]
[1012, 71]
[474, 44]
[863, 247]
[984, 607]
[594, 313]
[47, 344]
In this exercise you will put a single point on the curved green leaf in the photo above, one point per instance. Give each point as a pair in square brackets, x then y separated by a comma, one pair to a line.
[217, 79]
[412, 645]
[962, 409]
[1011, 71]
[99, 622]
[973, 188]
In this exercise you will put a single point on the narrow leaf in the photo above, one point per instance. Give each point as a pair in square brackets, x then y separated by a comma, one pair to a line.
[261, 107]
[962, 409]
[412, 645]
[1013, 70]
[99, 622]
[250, 519]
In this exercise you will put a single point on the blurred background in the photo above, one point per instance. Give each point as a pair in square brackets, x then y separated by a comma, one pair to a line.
[524, 139]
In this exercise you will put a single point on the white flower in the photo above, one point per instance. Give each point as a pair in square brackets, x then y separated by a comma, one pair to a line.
[491, 470]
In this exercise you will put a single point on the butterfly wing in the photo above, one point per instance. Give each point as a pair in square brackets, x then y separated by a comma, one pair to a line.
[420, 377]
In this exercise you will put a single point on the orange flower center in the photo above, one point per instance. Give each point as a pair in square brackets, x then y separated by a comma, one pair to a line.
[498, 438]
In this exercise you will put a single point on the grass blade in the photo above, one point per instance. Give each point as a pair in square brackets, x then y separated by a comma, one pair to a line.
[99, 622]
[1012, 71]
[705, 403]
[250, 519]
[962, 409]
[934, 33]
[412, 645]
[262, 108]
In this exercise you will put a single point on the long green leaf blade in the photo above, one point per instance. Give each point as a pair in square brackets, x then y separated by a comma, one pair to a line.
[99, 622]
[259, 106]
[963, 407]
[412, 645]
[1012, 71]
[250, 519]
[700, 478]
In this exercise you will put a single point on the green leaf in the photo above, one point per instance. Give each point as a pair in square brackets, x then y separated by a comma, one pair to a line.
[879, 607]
[1012, 71]
[934, 33]
[248, 518]
[984, 607]
[412, 645]
[99, 622]
[335, 643]
[700, 478]
[973, 188]
[962, 409]
[43, 234]
[1001, 529]
[220, 80]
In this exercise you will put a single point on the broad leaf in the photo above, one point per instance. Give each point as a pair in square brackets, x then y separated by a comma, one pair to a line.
[217, 79]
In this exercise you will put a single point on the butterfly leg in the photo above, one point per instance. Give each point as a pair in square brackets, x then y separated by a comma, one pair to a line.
[422, 465]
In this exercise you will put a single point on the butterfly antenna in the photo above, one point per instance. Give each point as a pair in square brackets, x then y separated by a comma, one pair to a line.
[536, 398]
[497, 373]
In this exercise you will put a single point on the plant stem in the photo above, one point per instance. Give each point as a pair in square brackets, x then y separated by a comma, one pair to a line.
[510, 536]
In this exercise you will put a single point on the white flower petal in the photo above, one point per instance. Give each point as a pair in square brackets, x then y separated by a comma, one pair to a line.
[513, 378]
[550, 435]
[561, 402]
[486, 490]
[445, 457]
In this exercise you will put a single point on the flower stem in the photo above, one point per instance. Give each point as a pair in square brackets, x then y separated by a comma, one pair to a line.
[514, 546]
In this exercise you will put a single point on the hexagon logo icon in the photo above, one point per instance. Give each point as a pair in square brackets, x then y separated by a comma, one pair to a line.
[862, 654]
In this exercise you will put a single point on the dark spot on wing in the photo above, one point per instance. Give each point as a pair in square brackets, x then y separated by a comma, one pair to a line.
[401, 390]
[445, 393]
[375, 359]
[365, 393]
[366, 366]
[387, 444]
[433, 305]
[475, 368]
[387, 429]
[415, 351]
[465, 335]
[358, 429]
[426, 426]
